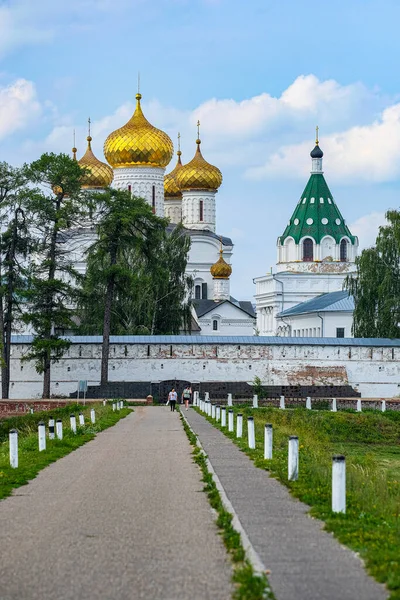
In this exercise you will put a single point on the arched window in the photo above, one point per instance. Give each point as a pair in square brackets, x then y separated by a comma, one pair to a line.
[215, 325]
[343, 250]
[130, 188]
[197, 292]
[201, 210]
[308, 250]
[153, 198]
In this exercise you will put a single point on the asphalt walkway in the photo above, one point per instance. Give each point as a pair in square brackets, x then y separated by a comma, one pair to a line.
[306, 563]
[123, 517]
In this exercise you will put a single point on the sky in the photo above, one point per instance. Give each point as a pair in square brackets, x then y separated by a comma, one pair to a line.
[259, 75]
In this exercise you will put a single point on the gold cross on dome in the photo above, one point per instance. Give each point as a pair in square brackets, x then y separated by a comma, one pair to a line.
[198, 129]
[316, 135]
[179, 141]
[89, 121]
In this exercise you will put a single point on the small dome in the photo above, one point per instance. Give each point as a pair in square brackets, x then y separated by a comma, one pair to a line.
[198, 174]
[221, 269]
[99, 175]
[171, 188]
[317, 152]
[138, 143]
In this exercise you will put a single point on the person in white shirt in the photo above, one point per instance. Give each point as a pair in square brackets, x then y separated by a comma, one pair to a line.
[172, 398]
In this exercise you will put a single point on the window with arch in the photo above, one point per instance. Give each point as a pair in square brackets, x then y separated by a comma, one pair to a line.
[130, 188]
[343, 250]
[197, 292]
[308, 250]
[201, 210]
[153, 198]
[215, 325]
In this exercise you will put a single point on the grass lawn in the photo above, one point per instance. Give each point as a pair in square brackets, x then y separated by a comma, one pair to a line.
[31, 461]
[371, 443]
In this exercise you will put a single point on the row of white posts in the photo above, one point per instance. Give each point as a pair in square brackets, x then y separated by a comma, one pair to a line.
[115, 405]
[197, 402]
[217, 412]
[55, 430]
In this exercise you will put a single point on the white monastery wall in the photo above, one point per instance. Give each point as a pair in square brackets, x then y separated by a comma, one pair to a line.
[374, 371]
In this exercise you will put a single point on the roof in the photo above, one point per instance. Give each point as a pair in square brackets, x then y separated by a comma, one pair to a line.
[226, 241]
[316, 214]
[333, 302]
[253, 340]
[202, 307]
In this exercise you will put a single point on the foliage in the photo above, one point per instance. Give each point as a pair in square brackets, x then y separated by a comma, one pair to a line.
[51, 290]
[15, 244]
[370, 442]
[31, 461]
[376, 285]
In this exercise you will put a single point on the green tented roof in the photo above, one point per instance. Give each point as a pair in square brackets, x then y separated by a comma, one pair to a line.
[316, 214]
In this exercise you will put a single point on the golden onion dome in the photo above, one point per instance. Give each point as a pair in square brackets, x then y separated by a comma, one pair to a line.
[221, 269]
[198, 174]
[98, 175]
[138, 143]
[171, 189]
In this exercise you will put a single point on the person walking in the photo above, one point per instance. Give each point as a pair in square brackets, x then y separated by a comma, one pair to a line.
[172, 397]
[186, 395]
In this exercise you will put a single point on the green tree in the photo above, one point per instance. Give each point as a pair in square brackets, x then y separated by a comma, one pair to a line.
[15, 243]
[57, 205]
[128, 233]
[376, 285]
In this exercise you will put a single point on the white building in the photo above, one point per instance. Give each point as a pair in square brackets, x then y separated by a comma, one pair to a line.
[327, 315]
[314, 254]
[138, 153]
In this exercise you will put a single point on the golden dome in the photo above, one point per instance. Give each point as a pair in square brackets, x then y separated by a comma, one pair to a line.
[171, 189]
[99, 175]
[138, 143]
[221, 269]
[198, 174]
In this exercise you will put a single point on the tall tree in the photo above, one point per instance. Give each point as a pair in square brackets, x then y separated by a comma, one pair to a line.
[15, 243]
[57, 204]
[376, 285]
[128, 234]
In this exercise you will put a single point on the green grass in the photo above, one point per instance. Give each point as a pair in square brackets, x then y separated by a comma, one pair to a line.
[371, 443]
[30, 460]
[248, 584]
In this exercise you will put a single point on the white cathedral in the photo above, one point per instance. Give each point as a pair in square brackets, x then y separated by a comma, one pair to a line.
[137, 155]
[305, 297]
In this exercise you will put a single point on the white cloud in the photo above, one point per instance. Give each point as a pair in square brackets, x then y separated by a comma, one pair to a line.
[367, 228]
[18, 106]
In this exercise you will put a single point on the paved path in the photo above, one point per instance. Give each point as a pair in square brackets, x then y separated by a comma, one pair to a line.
[306, 563]
[122, 517]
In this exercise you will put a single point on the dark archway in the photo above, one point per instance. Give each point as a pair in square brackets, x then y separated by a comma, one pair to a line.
[343, 250]
[308, 250]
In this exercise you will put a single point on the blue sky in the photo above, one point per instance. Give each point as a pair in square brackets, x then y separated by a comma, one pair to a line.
[259, 75]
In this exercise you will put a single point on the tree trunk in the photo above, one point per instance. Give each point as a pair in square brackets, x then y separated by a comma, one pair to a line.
[7, 324]
[105, 350]
[4, 384]
[46, 378]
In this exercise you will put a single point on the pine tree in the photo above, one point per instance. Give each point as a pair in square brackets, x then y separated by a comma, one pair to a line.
[51, 289]
[376, 285]
[15, 243]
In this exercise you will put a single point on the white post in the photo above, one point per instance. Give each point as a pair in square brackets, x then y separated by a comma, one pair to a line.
[13, 437]
[268, 441]
[209, 408]
[42, 436]
[255, 401]
[230, 400]
[218, 412]
[334, 407]
[81, 419]
[239, 425]
[92, 415]
[250, 433]
[113, 406]
[359, 405]
[230, 420]
[213, 411]
[308, 402]
[117, 405]
[51, 429]
[293, 458]
[223, 416]
[383, 405]
[282, 402]
[104, 402]
[206, 396]
[59, 429]
[72, 421]
[338, 483]
[31, 411]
